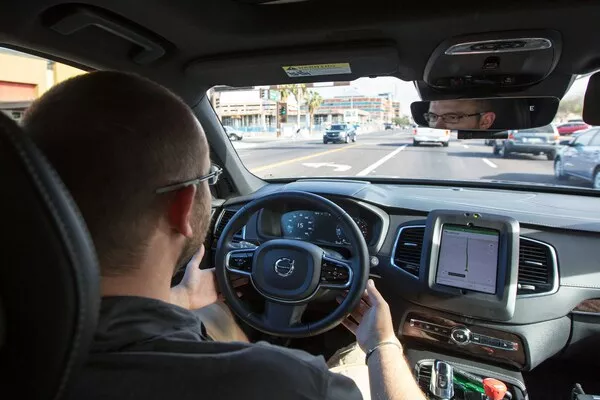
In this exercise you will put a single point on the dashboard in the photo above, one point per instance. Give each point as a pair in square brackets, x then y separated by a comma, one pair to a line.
[508, 277]
[294, 221]
[319, 226]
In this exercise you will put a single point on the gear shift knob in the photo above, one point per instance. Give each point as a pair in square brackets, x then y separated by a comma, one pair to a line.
[442, 376]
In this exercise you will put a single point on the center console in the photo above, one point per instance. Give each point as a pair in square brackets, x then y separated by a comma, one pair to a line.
[468, 339]
[470, 263]
[468, 273]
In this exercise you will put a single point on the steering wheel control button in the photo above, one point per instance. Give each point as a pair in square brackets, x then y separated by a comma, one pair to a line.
[460, 335]
[335, 274]
[240, 261]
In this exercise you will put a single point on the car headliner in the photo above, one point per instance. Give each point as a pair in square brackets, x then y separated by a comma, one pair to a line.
[233, 42]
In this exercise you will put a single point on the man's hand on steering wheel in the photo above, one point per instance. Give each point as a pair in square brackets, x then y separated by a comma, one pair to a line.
[199, 287]
[371, 320]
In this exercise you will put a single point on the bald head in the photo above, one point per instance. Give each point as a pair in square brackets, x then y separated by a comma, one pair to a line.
[114, 138]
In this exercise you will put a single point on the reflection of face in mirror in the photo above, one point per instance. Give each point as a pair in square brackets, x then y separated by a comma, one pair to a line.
[460, 114]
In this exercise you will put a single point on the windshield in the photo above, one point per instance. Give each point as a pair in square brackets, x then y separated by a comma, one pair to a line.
[337, 127]
[364, 129]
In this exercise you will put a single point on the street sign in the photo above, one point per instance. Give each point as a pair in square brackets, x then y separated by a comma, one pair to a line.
[274, 95]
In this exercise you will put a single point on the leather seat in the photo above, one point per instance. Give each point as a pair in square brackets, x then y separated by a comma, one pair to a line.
[49, 290]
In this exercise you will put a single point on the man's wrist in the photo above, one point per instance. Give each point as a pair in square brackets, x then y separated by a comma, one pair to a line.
[393, 345]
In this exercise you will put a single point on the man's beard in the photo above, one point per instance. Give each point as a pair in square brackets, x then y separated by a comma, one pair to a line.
[200, 222]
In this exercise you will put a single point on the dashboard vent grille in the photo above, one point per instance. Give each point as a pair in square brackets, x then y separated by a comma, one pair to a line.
[424, 376]
[407, 250]
[536, 267]
[222, 221]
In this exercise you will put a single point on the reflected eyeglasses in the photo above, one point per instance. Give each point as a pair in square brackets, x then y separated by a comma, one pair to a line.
[212, 177]
[449, 118]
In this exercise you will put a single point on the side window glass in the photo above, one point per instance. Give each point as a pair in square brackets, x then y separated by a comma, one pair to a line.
[596, 139]
[584, 139]
[24, 78]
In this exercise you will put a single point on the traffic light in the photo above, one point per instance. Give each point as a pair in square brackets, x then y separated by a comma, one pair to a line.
[282, 110]
[262, 93]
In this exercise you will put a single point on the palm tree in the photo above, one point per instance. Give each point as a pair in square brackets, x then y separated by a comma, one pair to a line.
[299, 91]
[314, 101]
[284, 92]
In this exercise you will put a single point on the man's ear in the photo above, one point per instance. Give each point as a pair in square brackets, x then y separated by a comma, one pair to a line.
[181, 210]
[487, 120]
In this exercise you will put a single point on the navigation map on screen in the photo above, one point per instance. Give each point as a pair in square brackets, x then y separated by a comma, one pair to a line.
[468, 258]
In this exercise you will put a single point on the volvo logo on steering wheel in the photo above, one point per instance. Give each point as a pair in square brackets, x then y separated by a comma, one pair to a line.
[284, 267]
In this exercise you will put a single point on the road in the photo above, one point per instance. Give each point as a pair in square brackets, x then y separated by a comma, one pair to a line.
[391, 153]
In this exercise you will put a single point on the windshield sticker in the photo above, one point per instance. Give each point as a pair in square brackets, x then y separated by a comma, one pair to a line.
[295, 71]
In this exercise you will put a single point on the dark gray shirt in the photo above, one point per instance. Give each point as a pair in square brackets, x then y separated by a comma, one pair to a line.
[148, 349]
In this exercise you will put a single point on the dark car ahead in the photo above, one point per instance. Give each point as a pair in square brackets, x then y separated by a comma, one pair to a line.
[340, 133]
[580, 158]
[536, 141]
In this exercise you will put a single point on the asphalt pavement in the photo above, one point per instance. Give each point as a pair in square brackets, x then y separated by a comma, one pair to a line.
[392, 154]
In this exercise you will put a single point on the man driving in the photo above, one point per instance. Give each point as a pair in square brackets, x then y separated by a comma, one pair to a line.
[460, 114]
[118, 141]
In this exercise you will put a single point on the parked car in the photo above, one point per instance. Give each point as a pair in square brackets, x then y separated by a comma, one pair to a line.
[233, 133]
[536, 141]
[569, 127]
[430, 135]
[580, 158]
[388, 125]
[340, 133]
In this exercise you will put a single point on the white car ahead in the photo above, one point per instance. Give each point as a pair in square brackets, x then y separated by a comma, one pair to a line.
[430, 135]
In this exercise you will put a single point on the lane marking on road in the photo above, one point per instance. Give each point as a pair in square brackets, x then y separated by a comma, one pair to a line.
[243, 146]
[336, 167]
[297, 159]
[371, 167]
[488, 162]
[465, 146]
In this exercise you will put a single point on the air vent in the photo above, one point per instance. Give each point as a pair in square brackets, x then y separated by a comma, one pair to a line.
[222, 222]
[424, 376]
[537, 266]
[407, 250]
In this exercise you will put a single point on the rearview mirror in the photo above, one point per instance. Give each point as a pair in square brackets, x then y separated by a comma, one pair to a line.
[486, 113]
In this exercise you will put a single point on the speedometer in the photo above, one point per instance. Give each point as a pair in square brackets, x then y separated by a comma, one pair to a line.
[362, 226]
[298, 224]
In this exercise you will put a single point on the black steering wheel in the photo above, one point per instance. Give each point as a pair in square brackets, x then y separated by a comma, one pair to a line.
[289, 274]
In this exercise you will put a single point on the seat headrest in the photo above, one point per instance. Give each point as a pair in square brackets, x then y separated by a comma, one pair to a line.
[591, 101]
[49, 290]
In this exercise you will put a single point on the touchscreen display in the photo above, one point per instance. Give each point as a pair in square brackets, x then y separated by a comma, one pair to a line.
[468, 258]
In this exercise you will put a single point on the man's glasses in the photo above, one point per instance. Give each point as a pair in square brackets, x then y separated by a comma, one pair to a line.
[450, 118]
[212, 177]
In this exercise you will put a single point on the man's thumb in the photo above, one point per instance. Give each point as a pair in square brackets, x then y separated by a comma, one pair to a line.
[374, 295]
[197, 258]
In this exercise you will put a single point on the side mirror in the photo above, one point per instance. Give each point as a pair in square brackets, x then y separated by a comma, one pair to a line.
[566, 142]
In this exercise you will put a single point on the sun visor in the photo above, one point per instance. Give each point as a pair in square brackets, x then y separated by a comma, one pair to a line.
[323, 64]
[591, 102]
